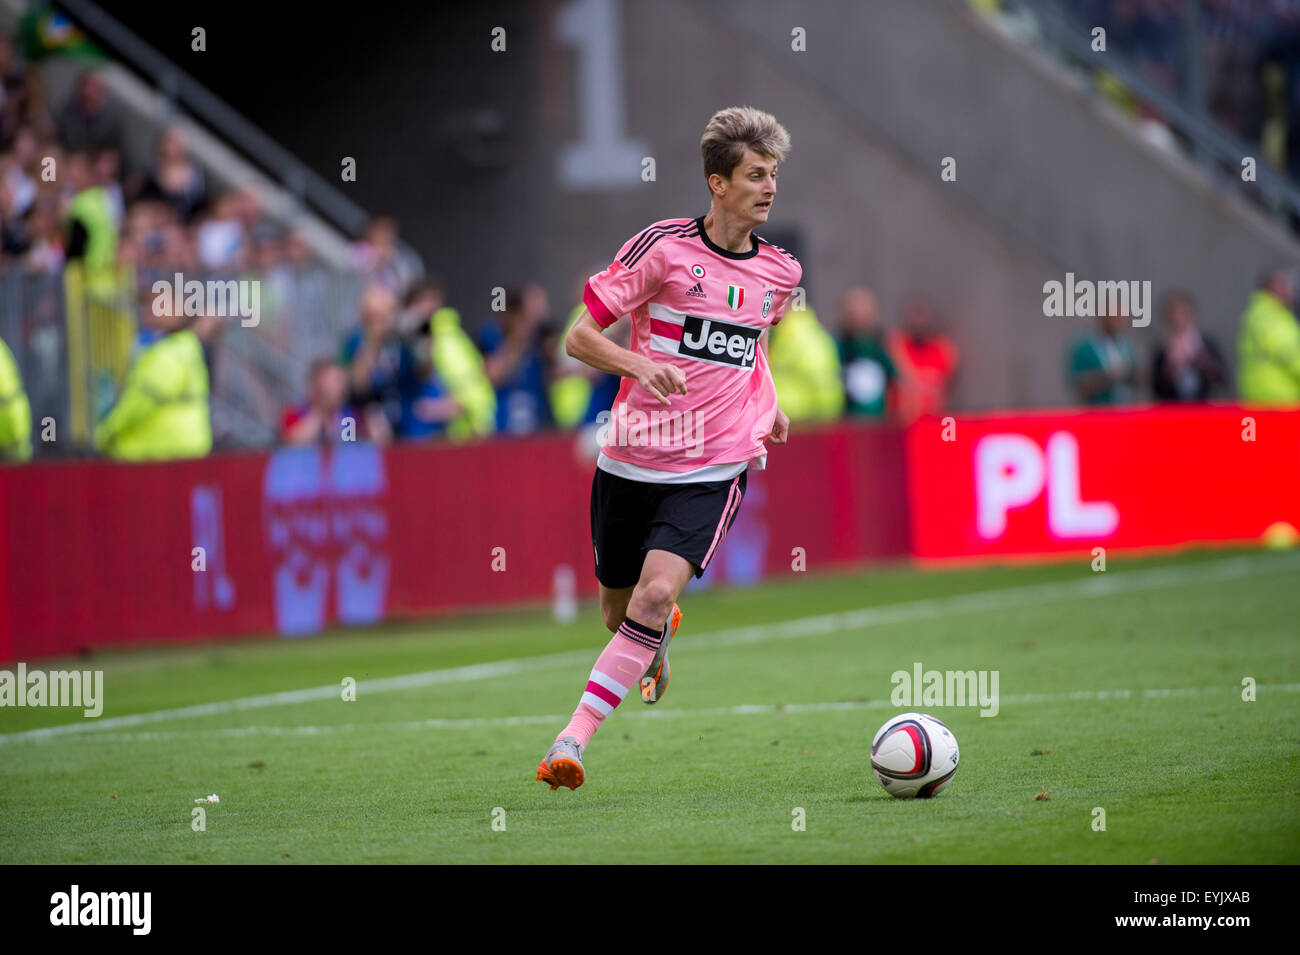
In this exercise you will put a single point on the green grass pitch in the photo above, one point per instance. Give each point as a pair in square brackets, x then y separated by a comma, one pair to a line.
[1120, 690]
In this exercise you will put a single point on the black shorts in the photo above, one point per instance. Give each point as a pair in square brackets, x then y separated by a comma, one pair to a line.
[629, 518]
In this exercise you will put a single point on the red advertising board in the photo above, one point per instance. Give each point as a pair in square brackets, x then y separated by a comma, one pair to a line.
[103, 554]
[1056, 482]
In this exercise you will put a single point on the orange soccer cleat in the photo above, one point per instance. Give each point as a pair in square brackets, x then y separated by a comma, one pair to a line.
[655, 682]
[562, 765]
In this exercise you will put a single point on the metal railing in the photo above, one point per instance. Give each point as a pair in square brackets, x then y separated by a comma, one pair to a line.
[74, 341]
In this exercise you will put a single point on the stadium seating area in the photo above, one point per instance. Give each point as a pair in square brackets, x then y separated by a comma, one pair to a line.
[376, 352]
[1248, 70]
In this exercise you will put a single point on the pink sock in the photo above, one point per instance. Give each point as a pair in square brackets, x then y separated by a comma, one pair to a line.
[619, 667]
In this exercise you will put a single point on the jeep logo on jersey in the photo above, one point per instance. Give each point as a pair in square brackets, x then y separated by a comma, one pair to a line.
[711, 340]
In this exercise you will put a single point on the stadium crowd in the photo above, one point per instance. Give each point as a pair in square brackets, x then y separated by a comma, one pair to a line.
[409, 370]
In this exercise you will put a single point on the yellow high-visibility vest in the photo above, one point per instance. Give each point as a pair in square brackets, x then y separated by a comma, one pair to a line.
[805, 366]
[163, 411]
[15, 411]
[458, 363]
[1268, 351]
[570, 393]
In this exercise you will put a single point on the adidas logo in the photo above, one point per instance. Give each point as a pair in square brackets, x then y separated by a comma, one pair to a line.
[696, 291]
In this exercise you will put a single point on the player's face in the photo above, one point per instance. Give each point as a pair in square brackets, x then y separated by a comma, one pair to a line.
[752, 188]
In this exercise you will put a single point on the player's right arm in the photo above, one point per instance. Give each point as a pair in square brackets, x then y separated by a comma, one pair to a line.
[631, 280]
[587, 343]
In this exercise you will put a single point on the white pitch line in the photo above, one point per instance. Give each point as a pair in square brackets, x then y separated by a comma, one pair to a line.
[744, 709]
[1006, 598]
[408, 681]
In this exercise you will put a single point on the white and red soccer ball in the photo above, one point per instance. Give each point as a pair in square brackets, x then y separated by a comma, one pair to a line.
[914, 756]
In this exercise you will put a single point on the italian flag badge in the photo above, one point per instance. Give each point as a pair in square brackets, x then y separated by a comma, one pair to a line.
[735, 296]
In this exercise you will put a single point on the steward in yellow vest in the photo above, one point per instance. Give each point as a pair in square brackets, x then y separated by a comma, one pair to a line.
[805, 364]
[1269, 345]
[15, 412]
[162, 413]
[459, 364]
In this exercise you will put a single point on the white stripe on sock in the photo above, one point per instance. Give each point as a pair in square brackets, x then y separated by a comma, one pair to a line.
[609, 683]
[596, 703]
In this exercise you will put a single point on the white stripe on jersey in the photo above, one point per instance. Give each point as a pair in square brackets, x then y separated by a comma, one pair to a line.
[672, 346]
[666, 314]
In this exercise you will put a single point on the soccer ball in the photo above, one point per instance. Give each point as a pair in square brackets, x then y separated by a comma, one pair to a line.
[914, 756]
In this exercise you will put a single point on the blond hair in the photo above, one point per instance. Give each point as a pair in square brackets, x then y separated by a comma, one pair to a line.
[731, 130]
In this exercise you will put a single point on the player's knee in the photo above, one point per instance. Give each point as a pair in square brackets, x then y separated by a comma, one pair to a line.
[655, 596]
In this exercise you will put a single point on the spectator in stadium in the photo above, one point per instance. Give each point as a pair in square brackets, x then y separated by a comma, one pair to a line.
[868, 369]
[380, 259]
[384, 372]
[88, 121]
[268, 248]
[325, 417]
[1187, 364]
[805, 367]
[514, 363]
[20, 174]
[925, 359]
[222, 238]
[269, 267]
[1102, 365]
[175, 178]
[43, 239]
[15, 412]
[426, 415]
[456, 361]
[162, 412]
[13, 237]
[428, 408]
[154, 241]
[1269, 342]
[305, 292]
[22, 99]
[298, 253]
[248, 208]
[13, 91]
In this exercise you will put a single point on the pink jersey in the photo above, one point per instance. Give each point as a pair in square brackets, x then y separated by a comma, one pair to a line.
[703, 309]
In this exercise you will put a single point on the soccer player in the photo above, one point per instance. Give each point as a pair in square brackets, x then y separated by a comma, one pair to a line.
[694, 407]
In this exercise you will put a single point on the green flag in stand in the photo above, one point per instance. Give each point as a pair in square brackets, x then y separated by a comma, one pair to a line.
[44, 31]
